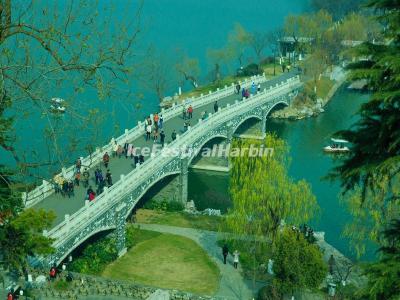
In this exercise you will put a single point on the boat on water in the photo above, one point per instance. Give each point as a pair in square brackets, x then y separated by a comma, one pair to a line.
[337, 146]
[57, 105]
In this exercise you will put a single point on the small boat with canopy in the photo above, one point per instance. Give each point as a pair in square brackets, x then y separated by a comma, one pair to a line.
[337, 146]
[57, 105]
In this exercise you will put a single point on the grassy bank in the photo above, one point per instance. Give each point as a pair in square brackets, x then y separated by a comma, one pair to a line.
[179, 219]
[166, 261]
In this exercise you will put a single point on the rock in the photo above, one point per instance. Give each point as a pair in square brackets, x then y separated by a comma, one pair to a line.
[159, 295]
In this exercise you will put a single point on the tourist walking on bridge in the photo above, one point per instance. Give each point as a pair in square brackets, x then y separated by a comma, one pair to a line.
[190, 111]
[148, 132]
[173, 135]
[155, 135]
[184, 111]
[156, 119]
[106, 159]
[160, 121]
[253, 88]
[215, 106]
[238, 88]
[162, 138]
[85, 177]
[78, 164]
[109, 178]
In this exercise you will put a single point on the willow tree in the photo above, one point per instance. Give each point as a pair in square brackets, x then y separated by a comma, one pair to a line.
[264, 195]
[77, 50]
[370, 175]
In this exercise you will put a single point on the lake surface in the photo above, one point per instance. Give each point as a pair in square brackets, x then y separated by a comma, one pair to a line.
[305, 139]
[189, 25]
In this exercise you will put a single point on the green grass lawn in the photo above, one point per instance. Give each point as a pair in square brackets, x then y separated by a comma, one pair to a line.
[179, 219]
[167, 261]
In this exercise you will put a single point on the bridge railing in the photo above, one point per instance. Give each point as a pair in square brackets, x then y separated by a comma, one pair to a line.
[143, 172]
[47, 188]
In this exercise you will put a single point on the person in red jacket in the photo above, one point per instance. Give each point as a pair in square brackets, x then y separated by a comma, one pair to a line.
[53, 273]
[190, 112]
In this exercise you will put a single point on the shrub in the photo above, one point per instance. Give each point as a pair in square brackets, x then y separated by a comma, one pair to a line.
[249, 70]
[96, 256]
[175, 206]
[171, 206]
[297, 263]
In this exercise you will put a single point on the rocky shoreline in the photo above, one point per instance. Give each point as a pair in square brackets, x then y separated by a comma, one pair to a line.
[306, 111]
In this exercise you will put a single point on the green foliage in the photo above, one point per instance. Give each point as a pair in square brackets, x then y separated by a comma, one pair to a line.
[297, 263]
[61, 285]
[262, 192]
[370, 174]
[338, 8]
[11, 201]
[249, 70]
[263, 195]
[96, 256]
[383, 276]
[170, 206]
[22, 236]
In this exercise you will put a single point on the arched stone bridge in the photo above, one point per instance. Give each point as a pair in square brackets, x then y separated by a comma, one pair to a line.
[113, 206]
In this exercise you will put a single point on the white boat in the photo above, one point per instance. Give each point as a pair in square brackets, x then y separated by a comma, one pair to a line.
[57, 100]
[57, 106]
[337, 146]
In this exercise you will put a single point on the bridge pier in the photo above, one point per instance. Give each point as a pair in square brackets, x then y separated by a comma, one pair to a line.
[183, 180]
[120, 230]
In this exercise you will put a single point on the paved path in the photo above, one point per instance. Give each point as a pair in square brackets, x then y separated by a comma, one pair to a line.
[232, 284]
[118, 166]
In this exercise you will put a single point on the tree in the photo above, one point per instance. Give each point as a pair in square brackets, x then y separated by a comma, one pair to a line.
[307, 30]
[11, 202]
[238, 41]
[23, 236]
[273, 37]
[189, 68]
[369, 176]
[383, 276]
[263, 194]
[337, 8]
[297, 263]
[258, 41]
[157, 74]
[358, 27]
[50, 51]
[219, 58]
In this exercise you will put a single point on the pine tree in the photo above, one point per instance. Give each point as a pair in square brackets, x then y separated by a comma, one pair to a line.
[384, 276]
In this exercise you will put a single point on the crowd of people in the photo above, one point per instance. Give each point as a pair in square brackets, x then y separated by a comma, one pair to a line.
[154, 131]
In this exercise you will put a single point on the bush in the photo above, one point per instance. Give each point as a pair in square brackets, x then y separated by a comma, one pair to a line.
[171, 206]
[297, 263]
[268, 60]
[249, 70]
[96, 256]
[60, 285]
[175, 206]
[268, 292]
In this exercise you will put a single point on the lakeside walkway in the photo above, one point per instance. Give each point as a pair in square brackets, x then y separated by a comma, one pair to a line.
[119, 166]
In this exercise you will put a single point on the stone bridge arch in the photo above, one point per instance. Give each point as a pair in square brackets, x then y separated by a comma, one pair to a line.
[132, 204]
[87, 237]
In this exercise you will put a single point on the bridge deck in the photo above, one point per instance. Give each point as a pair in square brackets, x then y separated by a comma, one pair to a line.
[118, 166]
